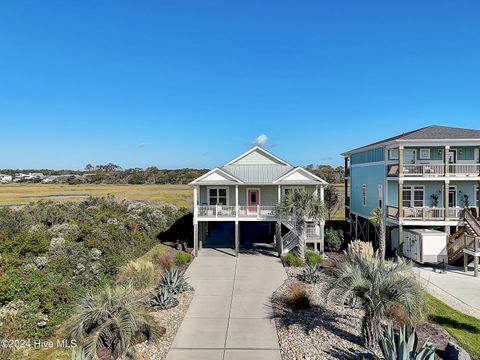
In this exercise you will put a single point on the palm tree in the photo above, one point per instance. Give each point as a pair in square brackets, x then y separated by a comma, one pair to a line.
[379, 286]
[303, 206]
[376, 219]
[110, 320]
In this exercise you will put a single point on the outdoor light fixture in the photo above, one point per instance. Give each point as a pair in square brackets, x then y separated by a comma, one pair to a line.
[439, 151]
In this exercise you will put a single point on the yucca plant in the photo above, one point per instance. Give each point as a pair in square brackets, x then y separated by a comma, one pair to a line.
[311, 274]
[376, 218]
[402, 345]
[378, 286]
[162, 298]
[174, 280]
[110, 320]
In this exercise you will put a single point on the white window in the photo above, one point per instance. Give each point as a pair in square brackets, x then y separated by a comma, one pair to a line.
[217, 196]
[413, 196]
[289, 189]
[424, 154]
[393, 154]
[380, 196]
[364, 195]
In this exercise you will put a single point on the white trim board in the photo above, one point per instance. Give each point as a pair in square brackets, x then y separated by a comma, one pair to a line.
[261, 150]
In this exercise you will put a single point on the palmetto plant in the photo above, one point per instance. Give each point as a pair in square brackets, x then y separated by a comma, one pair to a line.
[378, 286]
[303, 206]
[376, 218]
[402, 345]
[110, 319]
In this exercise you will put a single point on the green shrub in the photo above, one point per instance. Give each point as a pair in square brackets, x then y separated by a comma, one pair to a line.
[183, 258]
[313, 258]
[311, 274]
[333, 239]
[292, 259]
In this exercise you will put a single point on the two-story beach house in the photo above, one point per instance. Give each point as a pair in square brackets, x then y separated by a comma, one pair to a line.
[235, 205]
[423, 179]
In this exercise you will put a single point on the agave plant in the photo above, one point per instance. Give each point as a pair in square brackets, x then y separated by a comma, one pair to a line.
[162, 298]
[311, 274]
[402, 345]
[109, 321]
[174, 280]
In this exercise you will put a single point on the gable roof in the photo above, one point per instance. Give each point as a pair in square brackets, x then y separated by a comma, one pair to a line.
[433, 132]
[256, 166]
[265, 157]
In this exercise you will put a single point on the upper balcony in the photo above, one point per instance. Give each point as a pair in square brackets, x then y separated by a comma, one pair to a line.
[257, 212]
[434, 170]
[425, 213]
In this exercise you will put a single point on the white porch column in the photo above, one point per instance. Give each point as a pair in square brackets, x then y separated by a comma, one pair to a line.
[279, 193]
[195, 221]
[237, 238]
[236, 202]
[322, 223]
[195, 237]
[195, 202]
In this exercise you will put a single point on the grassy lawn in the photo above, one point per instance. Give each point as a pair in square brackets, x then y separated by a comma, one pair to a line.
[12, 194]
[465, 329]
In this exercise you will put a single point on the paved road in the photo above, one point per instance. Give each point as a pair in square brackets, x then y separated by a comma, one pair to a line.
[230, 314]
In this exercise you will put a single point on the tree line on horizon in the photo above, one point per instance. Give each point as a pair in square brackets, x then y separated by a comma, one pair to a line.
[114, 174]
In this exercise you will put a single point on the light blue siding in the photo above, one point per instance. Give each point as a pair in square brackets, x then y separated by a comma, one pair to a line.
[371, 176]
[434, 187]
[368, 156]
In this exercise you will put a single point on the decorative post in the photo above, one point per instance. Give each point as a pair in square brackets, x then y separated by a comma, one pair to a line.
[195, 221]
[400, 200]
[446, 150]
[236, 202]
[400, 161]
[446, 187]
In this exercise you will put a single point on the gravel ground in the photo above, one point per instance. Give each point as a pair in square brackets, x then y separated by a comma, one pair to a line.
[170, 320]
[325, 331]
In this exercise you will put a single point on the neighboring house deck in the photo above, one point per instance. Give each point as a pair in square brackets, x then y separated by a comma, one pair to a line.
[428, 177]
[245, 192]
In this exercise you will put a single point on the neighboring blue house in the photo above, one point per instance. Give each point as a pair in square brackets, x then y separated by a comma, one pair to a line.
[420, 179]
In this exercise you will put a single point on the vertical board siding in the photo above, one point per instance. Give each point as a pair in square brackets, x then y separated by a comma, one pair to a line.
[368, 156]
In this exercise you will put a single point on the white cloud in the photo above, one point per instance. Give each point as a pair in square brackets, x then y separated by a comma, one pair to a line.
[261, 140]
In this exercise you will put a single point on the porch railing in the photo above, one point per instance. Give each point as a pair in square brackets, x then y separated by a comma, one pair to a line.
[424, 213]
[216, 211]
[426, 170]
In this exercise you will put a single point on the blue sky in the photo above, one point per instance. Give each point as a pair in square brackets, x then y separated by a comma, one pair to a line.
[179, 83]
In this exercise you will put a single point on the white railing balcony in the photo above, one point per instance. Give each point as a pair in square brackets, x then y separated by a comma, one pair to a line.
[230, 211]
[464, 169]
[433, 170]
[425, 213]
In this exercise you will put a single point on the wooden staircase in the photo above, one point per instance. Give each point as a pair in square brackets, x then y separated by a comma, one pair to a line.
[292, 238]
[458, 241]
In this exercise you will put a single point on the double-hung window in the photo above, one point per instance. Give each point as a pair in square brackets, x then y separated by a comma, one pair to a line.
[218, 196]
[413, 196]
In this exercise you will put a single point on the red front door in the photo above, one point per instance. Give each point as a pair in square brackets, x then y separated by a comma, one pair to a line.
[253, 196]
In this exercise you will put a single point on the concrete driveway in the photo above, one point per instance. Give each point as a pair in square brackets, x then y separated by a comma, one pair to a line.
[456, 288]
[230, 314]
